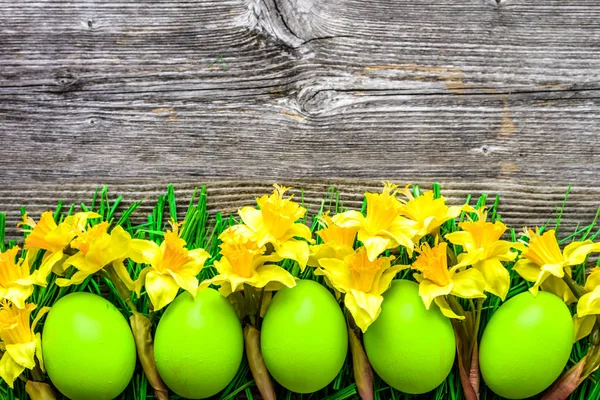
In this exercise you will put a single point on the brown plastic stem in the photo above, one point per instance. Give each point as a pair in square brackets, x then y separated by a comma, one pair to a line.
[257, 363]
[567, 383]
[363, 374]
[141, 328]
[39, 391]
[570, 380]
[140, 325]
[466, 332]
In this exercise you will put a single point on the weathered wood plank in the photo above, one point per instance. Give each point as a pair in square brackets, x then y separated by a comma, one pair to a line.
[520, 204]
[501, 97]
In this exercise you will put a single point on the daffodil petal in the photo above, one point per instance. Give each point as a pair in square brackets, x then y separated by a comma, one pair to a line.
[119, 245]
[77, 278]
[22, 353]
[43, 311]
[593, 280]
[369, 302]
[316, 252]
[161, 289]
[361, 316]
[17, 294]
[430, 291]
[496, 277]
[527, 270]
[337, 273]
[123, 274]
[142, 251]
[252, 218]
[46, 267]
[502, 250]
[349, 219]
[446, 309]
[583, 326]
[300, 230]
[9, 369]
[461, 238]
[38, 351]
[575, 253]
[466, 259]
[139, 282]
[273, 273]
[185, 280]
[557, 270]
[469, 284]
[294, 250]
[589, 303]
[558, 287]
[375, 245]
[225, 289]
[388, 276]
[199, 255]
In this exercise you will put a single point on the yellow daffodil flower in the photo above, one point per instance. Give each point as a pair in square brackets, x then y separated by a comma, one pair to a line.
[436, 280]
[97, 248]
[588, 306]
[383, 227]
[16, 280]
[47, 235]
[171, 266]
[338, 242]
[544, 263]
[243, 262]
[428, 213]
[275, 223]
[363, 281]
[484, 250]
[19, 341]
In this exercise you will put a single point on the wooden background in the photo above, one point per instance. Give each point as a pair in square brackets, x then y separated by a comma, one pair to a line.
[495, 96]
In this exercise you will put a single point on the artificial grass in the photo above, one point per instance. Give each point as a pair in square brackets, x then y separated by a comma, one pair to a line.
[200, 230]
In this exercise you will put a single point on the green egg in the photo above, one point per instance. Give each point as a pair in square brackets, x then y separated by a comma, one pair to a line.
[198, 345]
[304, 340]
[88, 347]
[526, 345]
[411, 348]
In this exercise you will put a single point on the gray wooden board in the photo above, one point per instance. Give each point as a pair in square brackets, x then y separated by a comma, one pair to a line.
[482, 96]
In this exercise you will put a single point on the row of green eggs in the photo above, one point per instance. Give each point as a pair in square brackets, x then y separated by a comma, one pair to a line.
[90, 353]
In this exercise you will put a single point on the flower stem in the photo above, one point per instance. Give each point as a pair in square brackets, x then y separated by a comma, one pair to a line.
[141, 325]
[257, 363]
[576, 288]
[479, 306]
[122, 290]
[141, 328]
[593, 361]
[363, 374]
[39, 391]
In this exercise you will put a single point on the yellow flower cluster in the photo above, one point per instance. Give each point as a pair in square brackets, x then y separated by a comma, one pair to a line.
[19, 342]
[351, 254]
[75, 249]
[357, 254]
[544, 263]
[267, 235]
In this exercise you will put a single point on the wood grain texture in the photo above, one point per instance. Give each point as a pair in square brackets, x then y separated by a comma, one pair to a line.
[520, 204]
[480, 95]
